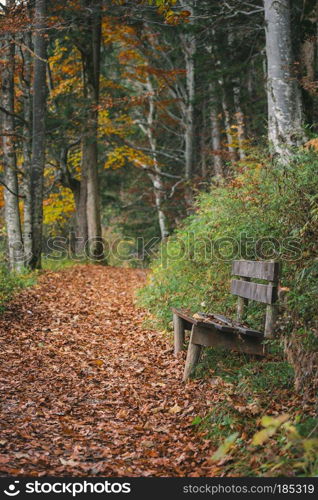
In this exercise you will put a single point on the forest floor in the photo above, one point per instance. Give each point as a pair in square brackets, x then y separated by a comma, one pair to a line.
[87, 390]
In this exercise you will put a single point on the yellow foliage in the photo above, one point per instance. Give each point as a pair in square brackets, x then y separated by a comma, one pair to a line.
[123, 155]
[74, 161]
[66, 68]
[120, 126]
[271, 425]
[1, 197]
[58, 207]
[312, 144]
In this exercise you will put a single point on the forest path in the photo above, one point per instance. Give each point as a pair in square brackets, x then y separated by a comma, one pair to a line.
[87, 390]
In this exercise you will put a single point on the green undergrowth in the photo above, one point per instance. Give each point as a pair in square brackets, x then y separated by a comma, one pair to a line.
[10, 283]
[256, 423]
[51, 264]
[266, 211]
[261, 424]
[250, 374]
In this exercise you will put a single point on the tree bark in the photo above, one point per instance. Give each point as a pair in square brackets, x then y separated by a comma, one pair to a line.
[215, 134]
[27, 147]
[189, 49]
[227, 121]
[283, 94]
[91, 73]
[79, 190]
[38, 133]
[239, 118]
[307, 57]
[156, 179]
[203, 140]
[11, 188]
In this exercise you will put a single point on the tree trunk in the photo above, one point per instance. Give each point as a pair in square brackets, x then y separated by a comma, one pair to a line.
[27, 148]
[11, 188]
[91, 65]
[215, 135]
[307, 56]
[38, 135]
[239, 119]
[79, 190]
[203, 146]
[156, 179]
[283, 94]
[189, 49]
[227, 121]
[224, 86]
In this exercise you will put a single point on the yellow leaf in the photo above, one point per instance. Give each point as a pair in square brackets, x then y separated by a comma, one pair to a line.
[225, 447]
[98, 362]
[268, 421]
[262, 436]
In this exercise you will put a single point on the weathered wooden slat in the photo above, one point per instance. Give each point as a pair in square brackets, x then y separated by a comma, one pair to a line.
[188, 321]
[228, 327]
[178, 328]
[242, 329]
[254, 291]
[241, 305]
[265, 270]
[213, 338]
[216, 326]
[193, 356]
[270, 320]
[186, 316]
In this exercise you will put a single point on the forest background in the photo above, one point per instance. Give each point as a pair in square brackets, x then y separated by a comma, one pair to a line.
[127, 124]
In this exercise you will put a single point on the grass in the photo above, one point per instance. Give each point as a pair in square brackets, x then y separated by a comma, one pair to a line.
[11, 283]
[50, 264]
[246, 390]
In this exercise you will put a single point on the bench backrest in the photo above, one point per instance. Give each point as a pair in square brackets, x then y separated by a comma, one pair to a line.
[247, 269]
[248, 290]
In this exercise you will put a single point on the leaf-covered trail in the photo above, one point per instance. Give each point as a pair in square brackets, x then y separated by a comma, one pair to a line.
[87, 390]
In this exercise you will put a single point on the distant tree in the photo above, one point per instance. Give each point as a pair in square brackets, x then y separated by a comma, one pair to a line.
[11, 186]
[285, 116]
[38, 130]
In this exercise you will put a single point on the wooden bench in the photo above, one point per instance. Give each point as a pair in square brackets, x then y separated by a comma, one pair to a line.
[214, 330]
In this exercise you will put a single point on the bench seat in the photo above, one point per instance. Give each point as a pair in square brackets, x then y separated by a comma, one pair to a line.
[215, 321]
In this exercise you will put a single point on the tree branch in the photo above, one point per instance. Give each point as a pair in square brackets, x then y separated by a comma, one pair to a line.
[14, 115]
[10, 191]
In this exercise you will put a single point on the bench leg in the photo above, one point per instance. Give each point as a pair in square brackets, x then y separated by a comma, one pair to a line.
[178, 327]
[193, 356]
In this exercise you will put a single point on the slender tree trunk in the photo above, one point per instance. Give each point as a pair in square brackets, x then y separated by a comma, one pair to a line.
[79, 190]
[283, 94]
[189, 124]
[91, 65]
[156, 179]
[203, 148]
[239, 118]
[27, 147]
[223, 85]
[215, 135]
[307, 56]
[11, 188]
[81, 229]
[227, 122]
[189, 49]
[38, 135]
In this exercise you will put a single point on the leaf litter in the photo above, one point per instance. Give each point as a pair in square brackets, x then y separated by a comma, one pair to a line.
[88, 390]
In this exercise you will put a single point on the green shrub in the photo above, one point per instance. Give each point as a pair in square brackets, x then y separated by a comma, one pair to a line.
[10, 283]
[275, 203]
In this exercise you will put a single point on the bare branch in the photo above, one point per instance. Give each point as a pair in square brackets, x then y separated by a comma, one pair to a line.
[10, 191]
